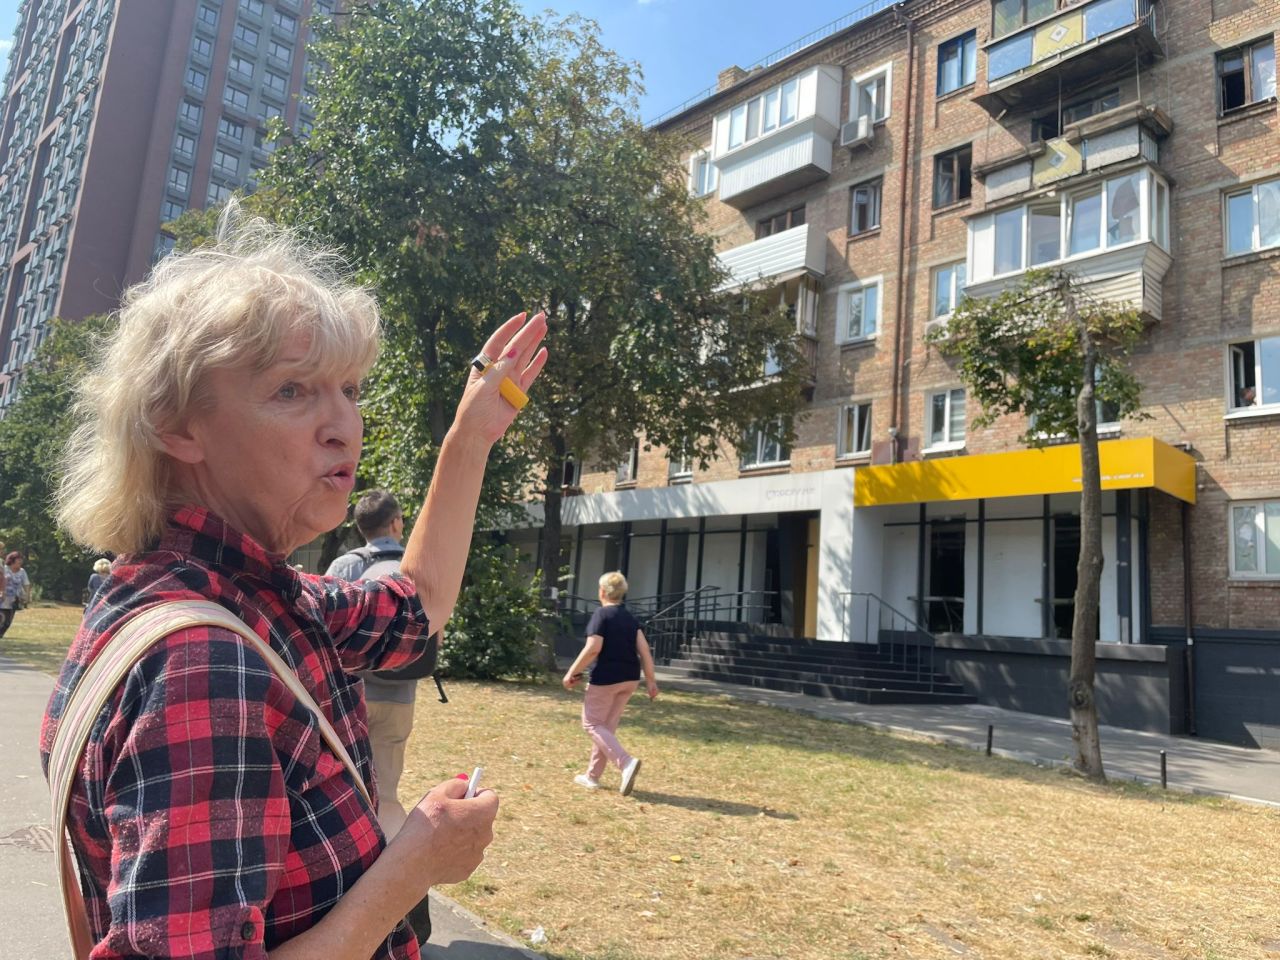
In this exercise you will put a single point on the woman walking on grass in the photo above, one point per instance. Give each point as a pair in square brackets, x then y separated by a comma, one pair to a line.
[616, 644]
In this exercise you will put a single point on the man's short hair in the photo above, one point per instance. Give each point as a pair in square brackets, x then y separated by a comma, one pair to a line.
[374, 513]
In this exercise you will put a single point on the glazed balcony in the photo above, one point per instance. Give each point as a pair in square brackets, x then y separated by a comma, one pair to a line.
[786, 254]
[1067, 51]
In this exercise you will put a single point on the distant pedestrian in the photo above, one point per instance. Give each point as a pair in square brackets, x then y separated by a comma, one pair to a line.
[17, 589]
[617, 646]
[101, 567]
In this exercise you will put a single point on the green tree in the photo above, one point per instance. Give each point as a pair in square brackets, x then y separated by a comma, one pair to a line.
[495, 627]
[1047, 350]
[601, 232]
[32, 436]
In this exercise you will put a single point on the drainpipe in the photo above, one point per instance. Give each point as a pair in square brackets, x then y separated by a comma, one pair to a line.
[1187, 612]
[900, 310]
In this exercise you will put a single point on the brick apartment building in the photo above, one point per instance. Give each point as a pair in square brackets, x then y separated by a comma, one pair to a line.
[935, 146]
[118, 116]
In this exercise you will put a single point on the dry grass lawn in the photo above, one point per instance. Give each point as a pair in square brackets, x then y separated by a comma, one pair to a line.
[755, 833]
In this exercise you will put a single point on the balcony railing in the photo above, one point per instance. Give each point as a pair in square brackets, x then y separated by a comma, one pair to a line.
[1066, 50]
[788, 253]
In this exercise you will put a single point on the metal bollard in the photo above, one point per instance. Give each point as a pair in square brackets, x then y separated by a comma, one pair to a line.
[1164, 770]
[990, 730]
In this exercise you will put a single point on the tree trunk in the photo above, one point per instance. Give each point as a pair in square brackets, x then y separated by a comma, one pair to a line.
[1084, 630]
[549, 557]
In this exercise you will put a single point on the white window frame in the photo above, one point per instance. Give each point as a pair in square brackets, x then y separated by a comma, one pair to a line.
[950, 442]
[679, 468]
[886, 70]
[1259, 533]
[574, 467]
[862, 419]
[768, 124]
[627, 471]
[954, 290]
[876, 185]
[712, 179]
[1255, 234]
[1235, 363]
[761, 439]
[846, 293]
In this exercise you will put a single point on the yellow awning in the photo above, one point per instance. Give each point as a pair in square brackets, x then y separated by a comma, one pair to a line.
[1126, 465]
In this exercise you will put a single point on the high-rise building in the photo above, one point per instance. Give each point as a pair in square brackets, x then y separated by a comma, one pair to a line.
[118, 116]
[922, 150]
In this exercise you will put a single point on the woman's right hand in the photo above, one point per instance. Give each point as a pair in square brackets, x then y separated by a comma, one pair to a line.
[450, 833]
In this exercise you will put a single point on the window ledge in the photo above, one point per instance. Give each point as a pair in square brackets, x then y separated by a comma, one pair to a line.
[953, 447]
[873, 232]
[953, 206]
[778, 467]
[856, 342]
[1251, 256]
[853, 459]
[1255, 109]
[679, 479]
[624, 485]
[1253, 582]
[1254, 413]
[955, 94]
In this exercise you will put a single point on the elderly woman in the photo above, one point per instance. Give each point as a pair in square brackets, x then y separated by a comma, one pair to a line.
[15, 589]
[208, 818]
[101, 567]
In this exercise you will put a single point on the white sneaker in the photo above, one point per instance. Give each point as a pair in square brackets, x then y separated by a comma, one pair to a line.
[629, 776]
[583, 780]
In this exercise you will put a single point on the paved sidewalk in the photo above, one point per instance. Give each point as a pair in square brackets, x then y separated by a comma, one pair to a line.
[1194, 766]
[31, 923]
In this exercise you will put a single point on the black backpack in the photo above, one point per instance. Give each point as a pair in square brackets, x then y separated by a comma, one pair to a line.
[379, 563]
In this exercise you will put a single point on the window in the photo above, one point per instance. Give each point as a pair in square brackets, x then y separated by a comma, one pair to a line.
[1008, 240]
[702, 174]
[247, 35]
[1009, 15]
[1253, 217]
[190, 111]
[627, 469]
[1246, 75]
[864, 213]
[252, 6]
[184, 145]
[948, 288]
[208, 15]
[957, 62]
[226, 162]
[231, 130]
[280, 51]
[1086, 221]
[218, 192]
[1255, 374]
[679, 467]
[274, 82]
[571, 473]
[780, 222]
[268, 111]
[762, 446]
[869, 95]
[179, 180]
[171, 210]
[854, 434]
[945, 427]
[1050, 125]
[285, 22]
[1255, 539]
[858, 310]
[1044, 233]
[952, 174]
[241, 65]
[773, 109]
[235, 97]
[196, 79]
[1124, 209]
[201, 47]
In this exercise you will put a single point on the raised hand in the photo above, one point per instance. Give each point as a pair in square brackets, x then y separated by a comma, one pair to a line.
[515, 348]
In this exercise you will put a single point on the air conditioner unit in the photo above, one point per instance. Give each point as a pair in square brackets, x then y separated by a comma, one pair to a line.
[939, 325]
[857, 132]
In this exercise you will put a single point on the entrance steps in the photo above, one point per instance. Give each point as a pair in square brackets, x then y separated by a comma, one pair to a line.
[862, 673]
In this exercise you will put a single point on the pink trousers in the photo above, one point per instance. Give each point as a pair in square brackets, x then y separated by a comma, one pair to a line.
[602, 708]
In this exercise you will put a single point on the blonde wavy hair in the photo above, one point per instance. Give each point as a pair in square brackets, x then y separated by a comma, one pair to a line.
[614, 586]
[234, 303]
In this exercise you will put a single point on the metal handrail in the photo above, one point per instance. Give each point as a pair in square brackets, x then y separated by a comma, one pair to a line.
[898, 652]
[683, 600]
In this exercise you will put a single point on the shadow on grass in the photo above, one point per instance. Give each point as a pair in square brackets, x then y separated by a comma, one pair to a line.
[727, 807]
[694, 717]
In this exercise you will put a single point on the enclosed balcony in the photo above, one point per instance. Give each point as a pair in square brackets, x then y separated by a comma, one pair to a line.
[1112, 234]
[1066, 51]
[773, 259]
[778, 140]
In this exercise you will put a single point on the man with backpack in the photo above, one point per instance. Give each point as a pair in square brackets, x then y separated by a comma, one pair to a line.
[389, 694]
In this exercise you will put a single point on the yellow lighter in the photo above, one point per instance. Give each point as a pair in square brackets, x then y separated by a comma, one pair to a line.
[506, 386]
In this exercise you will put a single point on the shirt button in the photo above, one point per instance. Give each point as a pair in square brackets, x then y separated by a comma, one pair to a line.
[247, 930]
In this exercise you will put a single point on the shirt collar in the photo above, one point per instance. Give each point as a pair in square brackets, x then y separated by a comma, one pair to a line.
[202, 534]
[384, 543]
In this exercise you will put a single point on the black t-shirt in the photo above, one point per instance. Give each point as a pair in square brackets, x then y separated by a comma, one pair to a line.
[618, 661]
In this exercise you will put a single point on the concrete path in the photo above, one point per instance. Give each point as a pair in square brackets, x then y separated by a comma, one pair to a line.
[1195, 766]
[31, 923]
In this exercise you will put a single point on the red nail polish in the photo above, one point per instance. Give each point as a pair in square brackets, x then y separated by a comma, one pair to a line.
[462, 776]
[511, 355]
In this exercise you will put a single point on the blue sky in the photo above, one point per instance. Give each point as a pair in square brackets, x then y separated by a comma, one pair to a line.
[680, 44]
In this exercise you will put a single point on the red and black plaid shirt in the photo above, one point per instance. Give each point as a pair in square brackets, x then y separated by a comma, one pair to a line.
[209, 819]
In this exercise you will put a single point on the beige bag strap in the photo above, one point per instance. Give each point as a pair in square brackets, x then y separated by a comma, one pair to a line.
[95, 688]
